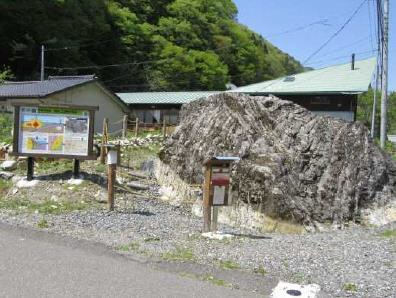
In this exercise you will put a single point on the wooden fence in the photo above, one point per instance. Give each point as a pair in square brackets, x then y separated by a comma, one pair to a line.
[134, 127]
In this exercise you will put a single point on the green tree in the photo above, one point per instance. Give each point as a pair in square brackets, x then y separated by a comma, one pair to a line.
[204, 45]
[178, 67]
[5, 74]
[365, 109]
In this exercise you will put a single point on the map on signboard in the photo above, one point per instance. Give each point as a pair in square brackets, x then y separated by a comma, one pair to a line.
[60, 131]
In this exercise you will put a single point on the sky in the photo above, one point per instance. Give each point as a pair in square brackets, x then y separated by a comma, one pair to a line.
[300, 27]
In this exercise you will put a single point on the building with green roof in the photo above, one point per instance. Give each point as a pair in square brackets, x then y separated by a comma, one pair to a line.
[332, 91]
[154, 107]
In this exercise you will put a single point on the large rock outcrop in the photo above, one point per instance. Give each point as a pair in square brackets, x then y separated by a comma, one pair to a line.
[295, 165]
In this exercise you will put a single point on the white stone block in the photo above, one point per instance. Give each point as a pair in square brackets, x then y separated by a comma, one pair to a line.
[9, 165]
[289, 290]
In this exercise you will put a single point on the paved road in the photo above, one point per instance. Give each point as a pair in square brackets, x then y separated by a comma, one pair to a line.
[38, 264]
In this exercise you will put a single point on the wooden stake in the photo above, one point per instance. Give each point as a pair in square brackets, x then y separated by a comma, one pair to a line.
[104, 141]
[125, 126]
[102, 148]
[137, 127]
[206, 200]
[111, 176]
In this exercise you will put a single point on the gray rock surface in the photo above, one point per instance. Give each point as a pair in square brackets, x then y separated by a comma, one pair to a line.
[137, 185]
[8, 165]
[295, 165]
[6, 175]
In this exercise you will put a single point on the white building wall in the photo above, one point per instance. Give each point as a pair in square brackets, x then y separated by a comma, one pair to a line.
[344, 115]
[90, 94]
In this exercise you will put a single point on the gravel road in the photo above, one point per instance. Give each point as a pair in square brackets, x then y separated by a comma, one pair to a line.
[354, 262]
[37, 264]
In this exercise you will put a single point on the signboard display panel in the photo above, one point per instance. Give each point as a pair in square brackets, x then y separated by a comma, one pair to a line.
[54, 131]
[47, 131]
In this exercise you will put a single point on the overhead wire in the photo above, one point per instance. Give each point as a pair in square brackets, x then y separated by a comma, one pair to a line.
[335, 34]
[80, 46]
[126, 63]
[323, 22]
[341, 57]
[370, 24]
[345, 46]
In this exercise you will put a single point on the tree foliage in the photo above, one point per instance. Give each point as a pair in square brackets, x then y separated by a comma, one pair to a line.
[365, 110]
[163, 45]
[5, 74]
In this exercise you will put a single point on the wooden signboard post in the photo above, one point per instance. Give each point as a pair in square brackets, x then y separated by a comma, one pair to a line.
[216, 189]
[53, 132]
[112, 161]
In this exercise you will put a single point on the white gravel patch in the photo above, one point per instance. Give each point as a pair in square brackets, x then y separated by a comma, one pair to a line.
[24, 183]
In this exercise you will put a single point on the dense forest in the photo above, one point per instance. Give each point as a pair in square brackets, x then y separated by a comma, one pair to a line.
[138, 45]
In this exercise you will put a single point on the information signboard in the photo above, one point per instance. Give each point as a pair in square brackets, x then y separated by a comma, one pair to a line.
[220, 185]
[54, 131]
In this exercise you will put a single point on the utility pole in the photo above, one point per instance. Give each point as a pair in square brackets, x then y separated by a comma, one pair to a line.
[384, 89]
[42, 63]
[372, 132]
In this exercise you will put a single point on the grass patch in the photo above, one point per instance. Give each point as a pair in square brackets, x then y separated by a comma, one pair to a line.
[135, 156]
[207, 277]
[101, 168]
[389, 233]
[298, 278]
[281, 226]
[216, 281]
[142, 133]
[260, 270]
[46, 207]
[179, 254]
[350, 287]
[4, 185]
[42, 224]
[230, 265]
[49, 166]
[132, 246]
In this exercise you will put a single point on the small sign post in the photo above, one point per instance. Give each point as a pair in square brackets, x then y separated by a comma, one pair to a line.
[216, 189]
[112, 160]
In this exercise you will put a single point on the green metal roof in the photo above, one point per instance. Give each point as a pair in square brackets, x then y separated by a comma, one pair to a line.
[333, 79]
[163, 97]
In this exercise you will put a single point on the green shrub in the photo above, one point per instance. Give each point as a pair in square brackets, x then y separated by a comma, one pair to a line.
[6, 128]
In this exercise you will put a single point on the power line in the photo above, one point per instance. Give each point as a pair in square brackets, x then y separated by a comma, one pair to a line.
[370, 24]
[81, 45]
[127, 63]
[341, 57]
[108, 65]
[323, 22]
[346, 46]
[336, 33]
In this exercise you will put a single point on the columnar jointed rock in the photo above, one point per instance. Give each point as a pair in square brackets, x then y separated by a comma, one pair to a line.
[295, 165]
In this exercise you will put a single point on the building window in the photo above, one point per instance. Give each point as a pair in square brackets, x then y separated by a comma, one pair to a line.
[171, 116]
[320, 100]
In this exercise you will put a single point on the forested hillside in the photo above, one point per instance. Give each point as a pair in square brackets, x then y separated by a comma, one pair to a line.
[138, 44]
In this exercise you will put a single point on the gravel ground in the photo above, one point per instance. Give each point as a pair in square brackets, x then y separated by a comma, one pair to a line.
[358, 258]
